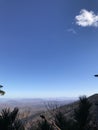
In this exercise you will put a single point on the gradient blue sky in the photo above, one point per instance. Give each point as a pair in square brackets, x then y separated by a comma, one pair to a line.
[45, 51]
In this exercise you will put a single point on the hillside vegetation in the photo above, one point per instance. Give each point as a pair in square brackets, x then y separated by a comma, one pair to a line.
[79, 115]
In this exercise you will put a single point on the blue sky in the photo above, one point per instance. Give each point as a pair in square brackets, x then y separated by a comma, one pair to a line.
[48, 48]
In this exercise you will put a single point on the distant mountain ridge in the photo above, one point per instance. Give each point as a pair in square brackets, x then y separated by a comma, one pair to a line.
[68, 109]
[32, 104]
[30, 109]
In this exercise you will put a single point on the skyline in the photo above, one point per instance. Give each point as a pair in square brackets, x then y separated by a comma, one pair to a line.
[48, 48]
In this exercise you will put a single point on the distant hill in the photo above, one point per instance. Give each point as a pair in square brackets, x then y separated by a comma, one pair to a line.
[30, 109]
[68, 110]
[32, 105]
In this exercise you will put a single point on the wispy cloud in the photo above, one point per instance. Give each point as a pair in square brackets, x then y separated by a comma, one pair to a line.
[71, 30]
[87, 18]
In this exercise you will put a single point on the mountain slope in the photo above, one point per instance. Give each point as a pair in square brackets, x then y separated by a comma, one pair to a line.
[68, 110]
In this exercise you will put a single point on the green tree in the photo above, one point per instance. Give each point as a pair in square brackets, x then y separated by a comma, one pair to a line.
[61, 121]
[81, 114]
[9, 120]
[1, 91]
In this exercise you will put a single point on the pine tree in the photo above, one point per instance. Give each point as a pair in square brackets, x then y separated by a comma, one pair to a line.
[9, 120]
[61, 121]
[81, 114]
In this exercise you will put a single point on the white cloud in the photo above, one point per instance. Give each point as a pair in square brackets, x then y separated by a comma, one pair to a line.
[87, 18]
